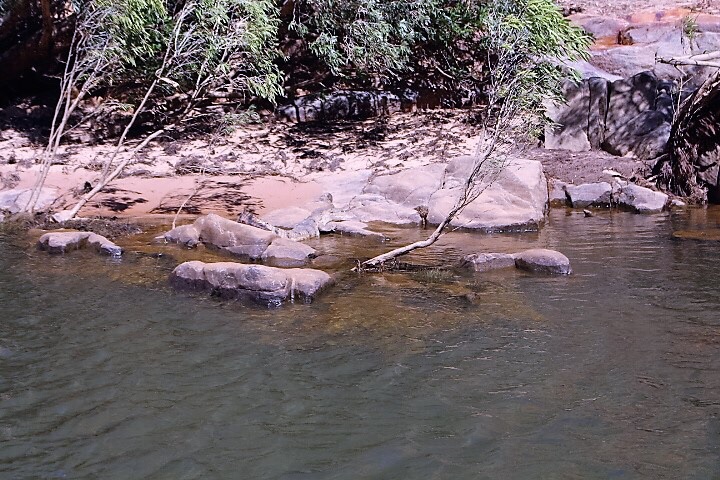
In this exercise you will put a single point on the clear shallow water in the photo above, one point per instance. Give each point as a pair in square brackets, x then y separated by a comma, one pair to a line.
[613, 372]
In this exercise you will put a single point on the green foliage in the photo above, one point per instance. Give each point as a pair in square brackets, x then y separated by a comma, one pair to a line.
[474, 49]
[192, 47]
[525, 43]
[138, 28]
[228, 44]
[690, 29]
[366, 36]
[441, 45]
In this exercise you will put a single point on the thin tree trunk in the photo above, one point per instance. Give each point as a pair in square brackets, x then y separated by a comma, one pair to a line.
[118, 170]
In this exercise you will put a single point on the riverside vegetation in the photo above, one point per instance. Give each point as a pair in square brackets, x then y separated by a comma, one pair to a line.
[148, 70]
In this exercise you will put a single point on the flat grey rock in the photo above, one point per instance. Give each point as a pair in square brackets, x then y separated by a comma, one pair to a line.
[354, 228]
[590, 195]
[484, 262]
[287, 253]
[257, 283]
[64, 242]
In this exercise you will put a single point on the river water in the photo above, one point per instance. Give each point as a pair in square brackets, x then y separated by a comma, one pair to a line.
[612, 372]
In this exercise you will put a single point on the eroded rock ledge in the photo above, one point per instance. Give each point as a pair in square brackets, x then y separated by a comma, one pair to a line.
[63, 242]
[258, 283]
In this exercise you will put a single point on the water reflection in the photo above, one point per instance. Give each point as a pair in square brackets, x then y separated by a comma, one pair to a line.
[613, 372]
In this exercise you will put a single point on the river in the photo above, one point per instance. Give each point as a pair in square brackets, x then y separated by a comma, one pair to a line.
[612, 372]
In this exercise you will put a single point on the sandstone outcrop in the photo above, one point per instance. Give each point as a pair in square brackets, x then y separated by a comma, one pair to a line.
[627, 117]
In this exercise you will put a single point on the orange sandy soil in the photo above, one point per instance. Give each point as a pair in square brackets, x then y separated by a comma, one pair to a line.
[262, 168]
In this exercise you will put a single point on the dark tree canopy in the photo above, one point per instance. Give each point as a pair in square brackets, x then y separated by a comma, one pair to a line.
[286, 47]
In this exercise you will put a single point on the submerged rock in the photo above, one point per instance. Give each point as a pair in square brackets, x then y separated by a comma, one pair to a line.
[63, 242]
[484, 262]
[257, 283]
[542, 260]
[354, 228]
[708, 235]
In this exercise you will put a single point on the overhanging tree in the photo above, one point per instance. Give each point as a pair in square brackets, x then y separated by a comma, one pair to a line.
[194, 50]
[524, 43]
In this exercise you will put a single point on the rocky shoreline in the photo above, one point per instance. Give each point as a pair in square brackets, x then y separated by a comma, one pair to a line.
[291, 182]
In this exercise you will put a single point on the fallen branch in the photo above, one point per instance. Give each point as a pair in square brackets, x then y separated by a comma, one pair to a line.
[711, 59]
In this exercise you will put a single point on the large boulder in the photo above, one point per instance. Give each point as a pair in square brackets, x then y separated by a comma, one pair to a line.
[258, 283]
[66, 241]
[589, 195]
[287, 253]
[569, 130]
[409, 188]
[542, 260]
[516, 198]
[236, 238]
[640, 199]
[634, 126]
[627, 117]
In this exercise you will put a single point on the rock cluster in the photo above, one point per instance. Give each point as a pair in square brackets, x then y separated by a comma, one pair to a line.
[66, 241]
[634, 43]
[538, 260]
[241, 240]
[258, 283]
[603, 194]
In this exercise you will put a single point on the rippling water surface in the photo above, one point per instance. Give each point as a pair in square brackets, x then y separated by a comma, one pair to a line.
[613, 372]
